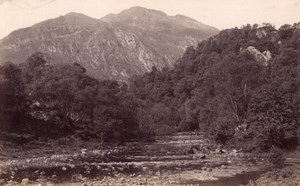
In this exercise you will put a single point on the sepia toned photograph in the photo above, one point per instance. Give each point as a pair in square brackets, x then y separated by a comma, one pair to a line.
[150, 92]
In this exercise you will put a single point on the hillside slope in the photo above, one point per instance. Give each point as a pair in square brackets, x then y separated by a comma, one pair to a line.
[114, 47]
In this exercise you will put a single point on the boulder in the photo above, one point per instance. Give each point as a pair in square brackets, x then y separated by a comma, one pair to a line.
[261, 57]
[145, 169]
[25, 181]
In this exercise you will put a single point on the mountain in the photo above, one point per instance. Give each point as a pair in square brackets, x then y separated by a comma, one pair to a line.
[113, 47]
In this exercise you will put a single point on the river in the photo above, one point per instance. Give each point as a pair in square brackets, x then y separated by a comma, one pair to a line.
[180, 159]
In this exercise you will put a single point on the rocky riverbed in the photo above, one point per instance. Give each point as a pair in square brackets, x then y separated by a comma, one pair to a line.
[181, 159]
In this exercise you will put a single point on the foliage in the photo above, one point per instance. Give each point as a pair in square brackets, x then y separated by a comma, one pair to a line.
[12, 102]
[62, 100]
[223, 88]
[275, 156]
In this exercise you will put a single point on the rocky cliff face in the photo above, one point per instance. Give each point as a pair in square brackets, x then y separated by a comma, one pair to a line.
[114, 47]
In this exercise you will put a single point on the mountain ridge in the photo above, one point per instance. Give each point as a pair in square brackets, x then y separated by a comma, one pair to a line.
[109, 47]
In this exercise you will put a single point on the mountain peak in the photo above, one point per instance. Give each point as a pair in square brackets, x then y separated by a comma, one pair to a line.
[135, 13]
[155, 20]
[141, 10]
[74, 18]
[75, 14]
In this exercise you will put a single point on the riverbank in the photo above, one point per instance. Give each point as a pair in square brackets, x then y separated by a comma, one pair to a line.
[287, 176]
[184, 158]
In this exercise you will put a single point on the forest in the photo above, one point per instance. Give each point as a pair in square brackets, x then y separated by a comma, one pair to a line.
[241, 87]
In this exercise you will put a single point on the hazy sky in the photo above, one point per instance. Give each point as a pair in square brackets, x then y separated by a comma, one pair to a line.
[15, 14]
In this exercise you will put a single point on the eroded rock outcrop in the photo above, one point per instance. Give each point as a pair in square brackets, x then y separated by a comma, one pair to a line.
[263, 57]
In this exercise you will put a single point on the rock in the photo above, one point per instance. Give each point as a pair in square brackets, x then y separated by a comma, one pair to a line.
[220, 151]
[49, 184]
[72, 166]
[10, 182]
[25, 181]
[209, 169]
[145, 169]
[40, 180]
[158, 173]
[193, 150]
[64, 168]
[203, 156]
[264, 57]
[116, 151]
[223, 167]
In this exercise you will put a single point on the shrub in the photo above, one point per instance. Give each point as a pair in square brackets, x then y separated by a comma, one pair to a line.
[275, 156]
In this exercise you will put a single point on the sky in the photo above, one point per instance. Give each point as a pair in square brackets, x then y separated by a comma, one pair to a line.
[222, 14]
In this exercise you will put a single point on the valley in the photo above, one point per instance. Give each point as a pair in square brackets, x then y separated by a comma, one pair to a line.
[144, 98]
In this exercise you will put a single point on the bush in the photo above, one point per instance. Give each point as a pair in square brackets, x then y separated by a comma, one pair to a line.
[275, 156]
[222, 131]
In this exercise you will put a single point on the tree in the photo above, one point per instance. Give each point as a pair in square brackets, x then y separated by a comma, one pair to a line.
[12, 102]
[58, 90]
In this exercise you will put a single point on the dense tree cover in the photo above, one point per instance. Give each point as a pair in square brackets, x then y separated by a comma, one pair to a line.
[222, 87]
[60, 100]
[241, 87]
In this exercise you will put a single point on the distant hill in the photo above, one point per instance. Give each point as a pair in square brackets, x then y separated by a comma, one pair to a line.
[113, 47]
